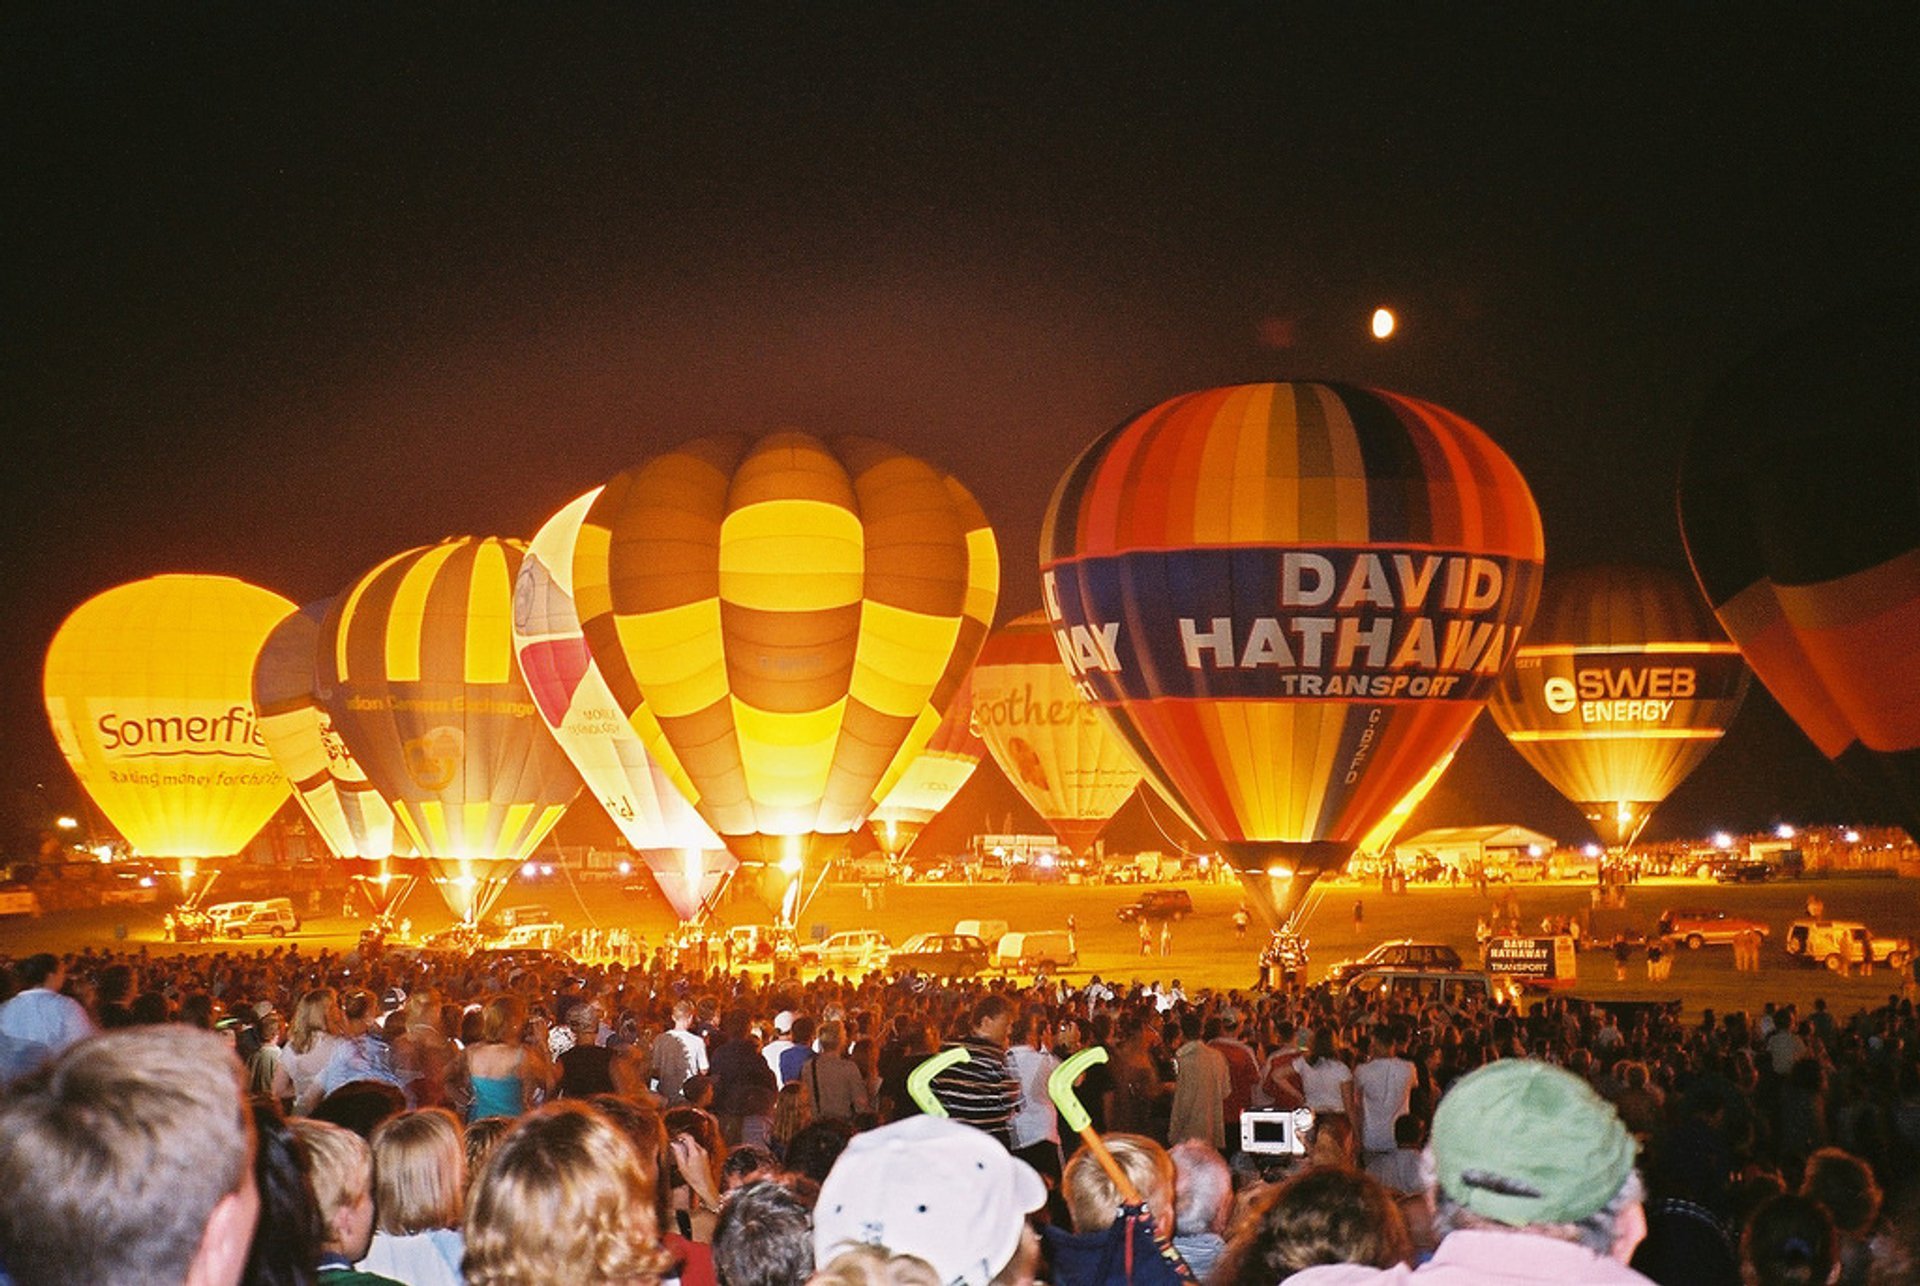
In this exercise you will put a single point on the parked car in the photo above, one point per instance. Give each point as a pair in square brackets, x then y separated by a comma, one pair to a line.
[1821, 942]
[1700, 928]
[856, 949]
[1401, 953]
[1443, 986]
[1743, 872]
[988, 931]
[271, 918]
[1033, 952]
[1157, 904]
[944, 955]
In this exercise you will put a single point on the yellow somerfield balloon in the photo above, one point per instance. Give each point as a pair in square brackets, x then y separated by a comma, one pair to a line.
[149, 691]
[783, 622]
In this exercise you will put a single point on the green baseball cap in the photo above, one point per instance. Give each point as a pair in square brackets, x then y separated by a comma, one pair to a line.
[1524, 1142]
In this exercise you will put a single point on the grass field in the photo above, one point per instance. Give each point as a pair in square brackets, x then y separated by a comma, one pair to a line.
[1205, 950]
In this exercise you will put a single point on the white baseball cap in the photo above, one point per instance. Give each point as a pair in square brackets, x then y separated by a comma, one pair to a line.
[783, 1021]
[929, 1187]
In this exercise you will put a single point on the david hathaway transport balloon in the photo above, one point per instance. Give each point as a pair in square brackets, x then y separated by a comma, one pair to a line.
[1800, 504]
[416, 659]
[148, 689]
[1623, 685]
[1290, 600]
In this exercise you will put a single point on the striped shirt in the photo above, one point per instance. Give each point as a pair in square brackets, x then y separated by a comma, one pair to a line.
[980, 1091]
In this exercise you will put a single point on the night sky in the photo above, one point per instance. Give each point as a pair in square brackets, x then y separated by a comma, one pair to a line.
[293, 288]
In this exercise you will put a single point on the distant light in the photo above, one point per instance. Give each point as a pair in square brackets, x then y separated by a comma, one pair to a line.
[1383, 323]
[66, 823]
[626, 868]
[1784, 831]
[546, 868]
[1204, 861]
[1534, 850]
[530, 870]
[1045, 862]
[1852, 837]
[1591, 850]
[1278, 871]
[1722, 840]
[790, 864]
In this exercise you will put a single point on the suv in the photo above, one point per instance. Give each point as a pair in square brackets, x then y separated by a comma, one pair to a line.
[1820, 941]
[1401, 953]
[274, 918]
[944, 955]
[1700, 928]
[1442, 986]
[1157, 904]
[1743, 871]
[849, 949]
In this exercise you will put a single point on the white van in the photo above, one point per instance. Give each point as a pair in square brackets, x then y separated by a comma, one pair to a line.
[268, 918]
[988, 931]
[1032, 952]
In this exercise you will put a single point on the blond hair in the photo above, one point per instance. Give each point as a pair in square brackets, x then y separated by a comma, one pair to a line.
[872, 1266]
[419, 1171]
[1093, 1199]
[502, 1019]
[338, 1161]
[316, 1013]
[565, 1197]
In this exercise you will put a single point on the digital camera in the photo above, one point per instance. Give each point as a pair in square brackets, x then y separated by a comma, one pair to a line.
[1278, 1132]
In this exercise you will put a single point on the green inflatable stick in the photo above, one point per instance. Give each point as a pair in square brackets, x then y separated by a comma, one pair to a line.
[920, 1081]
[1060, 1087]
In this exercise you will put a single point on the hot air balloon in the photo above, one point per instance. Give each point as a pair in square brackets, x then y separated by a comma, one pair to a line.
[1058, 753]
[784, 621]
[1378, 840]
[328, 783]
[1623, 685]
[147, 689]
[931, 780]
[1800, 504]
[1290, 600]
[416, 661]
[572, 697]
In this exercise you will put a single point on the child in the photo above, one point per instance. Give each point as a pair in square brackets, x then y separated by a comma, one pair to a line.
[341, 1167]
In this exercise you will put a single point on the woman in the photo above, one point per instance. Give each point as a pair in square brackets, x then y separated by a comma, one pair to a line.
[318, 1029]
[791, 1114]
[836, 1086]
[419, 1195]
[508, 1069]
[565, 1198]
[1789, 1241]
[1322, 1215]
[1325, 1079]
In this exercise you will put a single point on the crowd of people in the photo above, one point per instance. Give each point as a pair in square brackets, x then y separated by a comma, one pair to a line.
[293, 1117]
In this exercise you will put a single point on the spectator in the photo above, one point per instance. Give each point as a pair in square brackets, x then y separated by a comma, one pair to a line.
[1325, 1078]
[564, 1198]
[1320, 1215]
[764, 1237]
[419, 1190]
[678, 1054]
[1202, 1083]
[509, 1068]
[152, 1146]
[871, 1266]
[744, 1082]
[1383, 1091]
[1202, 1204]
[1107, 1233]
[1845, 1185]
[318, 1028]
[1533, 1182]
[287, 1239]
[939, 1191]
[835, 1085]
[38, 1023]
[586, 1068]
[981, 1092]
[1789, 1241]
[1035, 1127]
[340, 1169]
[364, 1054]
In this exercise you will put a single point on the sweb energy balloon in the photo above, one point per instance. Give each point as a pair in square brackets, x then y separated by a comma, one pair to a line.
[1623, 685]
[784, 621]
[416, 661]
[1290, 600]
[148, 691]
[931, 781]
[1800, 504]
[572, 697]
[1053, 747]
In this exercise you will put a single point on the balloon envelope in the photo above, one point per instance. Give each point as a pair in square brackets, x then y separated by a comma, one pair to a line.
[1290, 600]
[1800, 505]
[783, 621]
[931, 781]
[577, 707]
[328, 782]
[147, 688]
[1623, 685]
[1058, 753]
[417, 662]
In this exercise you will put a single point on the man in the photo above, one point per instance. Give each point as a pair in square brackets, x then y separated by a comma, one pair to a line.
[38, 1023]
[935, 1190]
[586, 1068]
[981, 1092]
[1533, 1182]
[777, 1047]
[764, 1237]
[1243, 1073]
[129, 1159]
[743, 1081]
[1383, 1091]
[678, 1054]
[1201, 1083]
[1202, 1205]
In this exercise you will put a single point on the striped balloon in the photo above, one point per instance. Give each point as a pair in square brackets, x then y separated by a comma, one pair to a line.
[1290, 600]
[328, 782]
[1800, 504]
[649, 809]
[416, 660]
[1055, 749]
[783, 621]
[931, 781]
[1623, 686]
